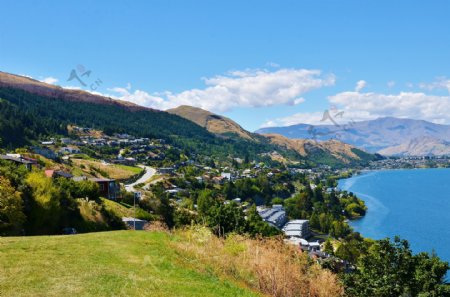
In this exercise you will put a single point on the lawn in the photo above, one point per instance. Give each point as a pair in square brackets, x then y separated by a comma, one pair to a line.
[119, 263]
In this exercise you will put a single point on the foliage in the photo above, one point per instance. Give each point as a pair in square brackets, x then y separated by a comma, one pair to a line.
[11, 208]
[390, 269]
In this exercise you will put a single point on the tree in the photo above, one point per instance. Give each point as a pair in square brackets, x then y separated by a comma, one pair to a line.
[256, 225]
[390, 269]
[166, 211]
[45, 210]
[328, 247]
[204, 202]
[226, 218]
[11, 208]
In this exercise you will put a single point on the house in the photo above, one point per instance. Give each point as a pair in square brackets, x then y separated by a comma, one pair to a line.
[47, 142]
[66, 140]
[47, 153]
[133, 223]
[19, 160]
[166, 170]
[57, 174]
[226, 175]
[69, 150]
[109, 188]
[218, 179]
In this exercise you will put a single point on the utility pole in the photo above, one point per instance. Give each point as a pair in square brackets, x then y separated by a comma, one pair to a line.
[138, 196]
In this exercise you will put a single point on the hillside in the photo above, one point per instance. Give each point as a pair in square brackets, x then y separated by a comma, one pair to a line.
[122, 263]
[48, 90]
[328, 152]
[378, 135]
[31, 110]
[214, 123]
[423, 146]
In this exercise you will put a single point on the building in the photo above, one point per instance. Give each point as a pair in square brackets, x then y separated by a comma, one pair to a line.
[132, 222]
[109, 188]
[226, 175]
[58, 173]
[69, 150]
[19, 160]
[297, 228]
[276, 215]
[47, 153]
[166, 170]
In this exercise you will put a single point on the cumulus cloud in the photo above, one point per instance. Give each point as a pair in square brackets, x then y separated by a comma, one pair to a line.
[359, 106]
[360, 85]
[416, 105]
[50, 80]
[246, 88]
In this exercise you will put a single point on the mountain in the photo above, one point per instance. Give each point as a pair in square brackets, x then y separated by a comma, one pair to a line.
[214, 123]
[31, 111]
[328, 152]
[33, 86]
[424, 146]
[384, 135]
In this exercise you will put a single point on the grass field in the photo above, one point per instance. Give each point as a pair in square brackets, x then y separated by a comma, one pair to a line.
[112, 170]
[119, 263]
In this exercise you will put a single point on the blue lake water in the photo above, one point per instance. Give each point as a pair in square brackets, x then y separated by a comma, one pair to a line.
[414, 204]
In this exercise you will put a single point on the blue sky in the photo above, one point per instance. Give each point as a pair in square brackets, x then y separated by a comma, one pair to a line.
[258, 62]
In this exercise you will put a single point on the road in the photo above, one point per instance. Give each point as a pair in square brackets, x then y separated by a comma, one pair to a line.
[149, 172]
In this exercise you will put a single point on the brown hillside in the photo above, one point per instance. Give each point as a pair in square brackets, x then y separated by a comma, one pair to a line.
[337, 149]
[43, 89]
[212, 122]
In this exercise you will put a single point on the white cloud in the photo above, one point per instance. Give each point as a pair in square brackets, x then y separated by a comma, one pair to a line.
[141, 98]
[439, 83]
[416, 105]
[50, 80]
[391, 84]
[313, 118]
[247, 88]
[273, 64]
[357, 106]
[360, 85]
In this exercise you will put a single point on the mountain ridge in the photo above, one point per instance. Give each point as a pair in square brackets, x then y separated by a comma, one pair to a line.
[375, 136]
[37, 87]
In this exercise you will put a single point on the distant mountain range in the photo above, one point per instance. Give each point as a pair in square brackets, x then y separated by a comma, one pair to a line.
[327, 152]
[388, 136]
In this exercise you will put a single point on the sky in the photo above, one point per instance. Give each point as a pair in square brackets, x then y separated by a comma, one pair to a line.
[261, 63]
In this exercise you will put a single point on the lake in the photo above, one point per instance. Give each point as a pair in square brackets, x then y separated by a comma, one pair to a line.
[414, 204]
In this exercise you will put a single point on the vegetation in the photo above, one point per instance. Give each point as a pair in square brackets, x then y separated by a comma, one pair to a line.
[268, 265]
[26, 117]
[121, 263]
[390, 269]
[31, 203]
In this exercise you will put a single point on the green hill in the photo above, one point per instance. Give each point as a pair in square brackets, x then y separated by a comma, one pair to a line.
[120, 263]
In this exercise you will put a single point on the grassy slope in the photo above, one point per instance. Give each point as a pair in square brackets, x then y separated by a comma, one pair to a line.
[112, 170]
[120, 263]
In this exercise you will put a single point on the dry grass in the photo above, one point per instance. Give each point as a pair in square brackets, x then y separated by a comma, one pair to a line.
[112, 171]
[267, 265]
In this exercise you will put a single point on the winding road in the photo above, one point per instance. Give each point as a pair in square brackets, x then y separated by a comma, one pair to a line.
[149, 172]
